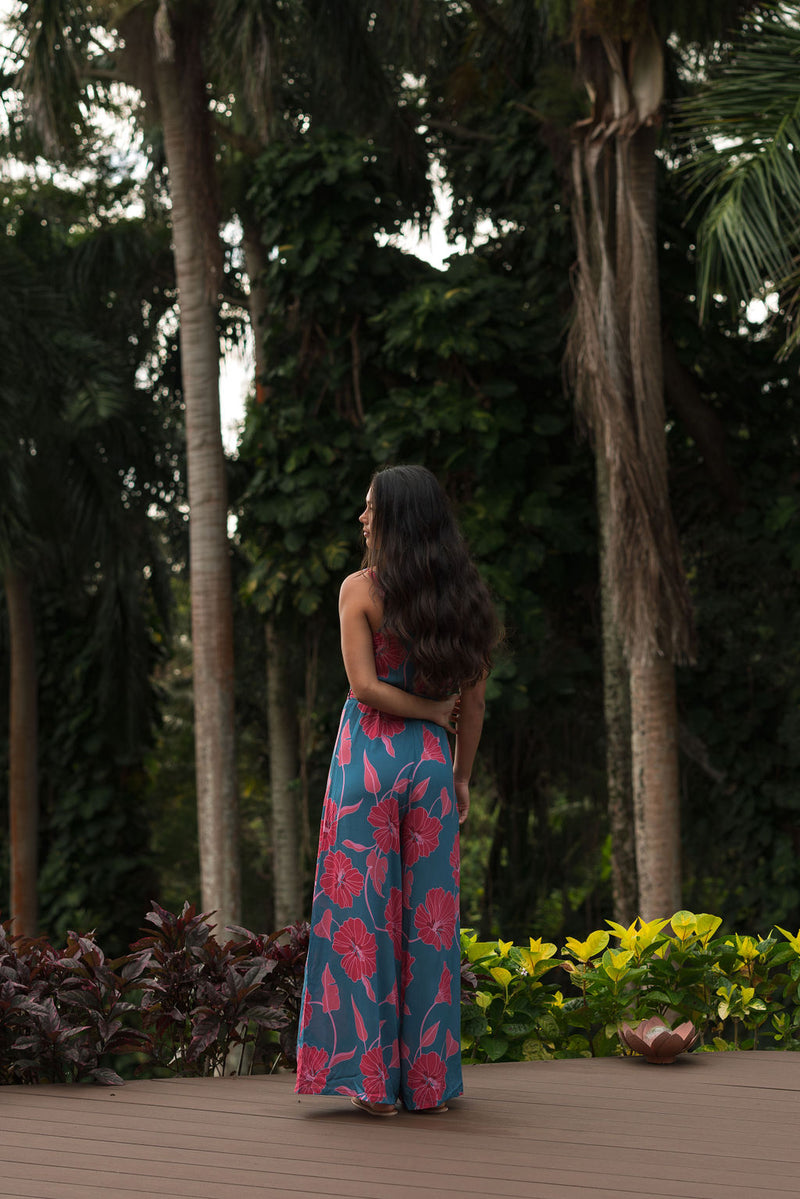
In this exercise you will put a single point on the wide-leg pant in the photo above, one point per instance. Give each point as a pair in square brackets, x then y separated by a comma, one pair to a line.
[381, 1001]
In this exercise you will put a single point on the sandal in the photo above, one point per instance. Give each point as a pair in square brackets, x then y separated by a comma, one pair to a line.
[372, 1109]
[429, 1111]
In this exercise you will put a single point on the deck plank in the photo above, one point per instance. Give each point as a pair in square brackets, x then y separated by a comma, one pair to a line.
[710, 1126]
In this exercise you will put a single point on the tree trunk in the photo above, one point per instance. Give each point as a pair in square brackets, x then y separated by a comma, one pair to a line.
[23, 797]
[210, 575]
[654, 717]
[655, 788]
[284, 785]
[617, 715]
[614, 352]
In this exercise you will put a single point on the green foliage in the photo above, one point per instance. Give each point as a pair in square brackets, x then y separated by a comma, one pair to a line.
[737, 705]
[88, 455]
[375, 357]
[510, 1009]
[740, 992]
[182, 1002]
[743, 127]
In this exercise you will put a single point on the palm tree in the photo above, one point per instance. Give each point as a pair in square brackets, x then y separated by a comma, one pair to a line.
[615, 360]
[742, 132]
[615, 356]
[66, 64]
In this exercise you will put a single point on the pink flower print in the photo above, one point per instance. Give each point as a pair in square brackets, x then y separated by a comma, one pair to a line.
[408, 883]
[451, 1045]
[330, 992]
[344, 745]
[323, 926]
[419, 791]
[306, 1012]
[357, 947]
[377, 724]
[445, 801]
[431, 747]
[376, 869]
[340, 881]
[312, 1070]
[385, 819]
[374, 1074]
[430, 1036]
[371, 781]
[407, 973]
[361, 1028]
[426, 1079]
[394, 919]
[420, 835]
[443, 994]
[455, 860]
[435, 919]
[327, 830]
[389, 653]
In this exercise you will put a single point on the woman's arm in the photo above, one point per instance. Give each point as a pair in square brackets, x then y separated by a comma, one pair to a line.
[360, 612]
[468, 734]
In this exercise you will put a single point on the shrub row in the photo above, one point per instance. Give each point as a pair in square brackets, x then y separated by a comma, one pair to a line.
[740, 992]
[179, 1003]
[183, 1003]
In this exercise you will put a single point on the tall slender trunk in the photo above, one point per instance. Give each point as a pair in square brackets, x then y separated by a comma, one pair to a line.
[23, 790]
[284, 766]
[654, 717]
[617, 717]
[614, 352]
[210, 574]
[655, 787]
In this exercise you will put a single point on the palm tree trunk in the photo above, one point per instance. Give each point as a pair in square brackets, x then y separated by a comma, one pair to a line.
[655, 787]
[23, 797]
[617, 718]
[614, 352]
[210, 575]
[654, 717]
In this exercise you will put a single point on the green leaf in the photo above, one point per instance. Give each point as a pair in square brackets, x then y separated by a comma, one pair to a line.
[494, 1047]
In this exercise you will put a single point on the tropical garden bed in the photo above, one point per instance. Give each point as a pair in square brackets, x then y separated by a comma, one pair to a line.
[182, 1002]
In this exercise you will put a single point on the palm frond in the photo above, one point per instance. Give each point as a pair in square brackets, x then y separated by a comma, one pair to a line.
[742, 139]
[243, 47]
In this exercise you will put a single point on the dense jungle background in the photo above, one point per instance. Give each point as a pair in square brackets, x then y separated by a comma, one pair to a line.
[325, 134]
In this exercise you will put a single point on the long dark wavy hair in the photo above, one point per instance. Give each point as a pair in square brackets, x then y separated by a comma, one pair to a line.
[434, 600]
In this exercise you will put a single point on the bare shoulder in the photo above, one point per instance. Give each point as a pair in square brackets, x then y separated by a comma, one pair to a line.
[356, 585]
[358, 593]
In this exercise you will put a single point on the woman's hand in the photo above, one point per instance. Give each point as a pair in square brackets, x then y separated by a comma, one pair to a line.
[444, 712]
[462, 800]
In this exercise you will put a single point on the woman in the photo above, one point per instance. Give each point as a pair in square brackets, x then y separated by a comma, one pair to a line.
[381, 1002]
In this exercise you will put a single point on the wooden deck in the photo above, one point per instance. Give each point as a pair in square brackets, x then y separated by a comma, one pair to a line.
[709, 1126]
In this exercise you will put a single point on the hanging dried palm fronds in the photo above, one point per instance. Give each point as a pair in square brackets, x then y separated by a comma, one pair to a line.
[614, 350]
